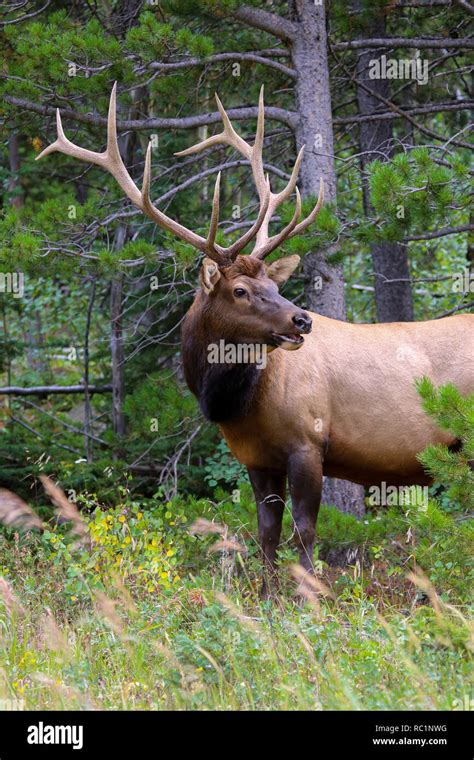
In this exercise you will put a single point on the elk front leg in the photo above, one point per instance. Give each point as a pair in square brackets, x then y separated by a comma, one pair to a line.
[269, 490]
[305, 477]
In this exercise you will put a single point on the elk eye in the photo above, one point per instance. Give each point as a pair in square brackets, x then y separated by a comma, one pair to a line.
[240, 292]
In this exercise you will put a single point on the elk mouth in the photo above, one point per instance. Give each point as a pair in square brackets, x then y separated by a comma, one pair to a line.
[288, 342]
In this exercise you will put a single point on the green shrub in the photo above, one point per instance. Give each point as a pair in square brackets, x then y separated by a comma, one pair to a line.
[453, 413]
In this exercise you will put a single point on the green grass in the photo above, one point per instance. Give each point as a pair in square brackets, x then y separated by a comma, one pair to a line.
[160, 621]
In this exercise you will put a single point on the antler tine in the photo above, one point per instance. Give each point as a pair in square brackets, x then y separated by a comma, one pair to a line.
[256, 158]
[227, 137]
[170, 224]
[211, 235]
[260, 132]
[60, 140]
[312, 216]
[112, 158]
[112, 141]
[63, 145]
[240, 244]
[275, 200]
[231, 252]
[263, 250]
[286, 192]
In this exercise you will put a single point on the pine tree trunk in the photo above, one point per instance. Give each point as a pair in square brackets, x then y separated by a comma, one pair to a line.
[315, 131]
[346, 496]
[393, 291]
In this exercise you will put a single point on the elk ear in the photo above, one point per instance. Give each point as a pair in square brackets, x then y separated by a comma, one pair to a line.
[209, 275]
[281, 270]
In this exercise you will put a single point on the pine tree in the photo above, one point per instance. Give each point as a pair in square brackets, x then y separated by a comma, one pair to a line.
[454, 413]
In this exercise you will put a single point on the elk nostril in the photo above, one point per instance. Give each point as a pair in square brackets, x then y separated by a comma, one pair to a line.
[303, 322]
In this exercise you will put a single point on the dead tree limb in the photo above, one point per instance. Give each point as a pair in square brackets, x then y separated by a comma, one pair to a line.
[46, 390]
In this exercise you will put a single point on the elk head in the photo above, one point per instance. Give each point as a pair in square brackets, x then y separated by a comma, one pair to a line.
[240, 293]
[242, 303]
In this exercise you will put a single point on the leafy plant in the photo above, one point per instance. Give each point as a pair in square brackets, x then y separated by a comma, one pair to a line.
[222, 467]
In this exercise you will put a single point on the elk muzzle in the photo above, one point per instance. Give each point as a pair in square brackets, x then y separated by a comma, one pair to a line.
[301, 323]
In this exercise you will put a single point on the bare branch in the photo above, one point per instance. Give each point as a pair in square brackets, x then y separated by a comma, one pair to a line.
[466, 6]
[66, 425]
[187, 122]
[267, 22]
[459, 307]
[383, 115]
[26, 15]
[441, 233]
[465, 43]
[219, 57]
[46, 390]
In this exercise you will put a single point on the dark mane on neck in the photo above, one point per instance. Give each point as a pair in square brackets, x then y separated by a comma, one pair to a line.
[227, 391]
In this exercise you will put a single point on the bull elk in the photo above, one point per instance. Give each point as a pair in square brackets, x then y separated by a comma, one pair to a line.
[340, 401]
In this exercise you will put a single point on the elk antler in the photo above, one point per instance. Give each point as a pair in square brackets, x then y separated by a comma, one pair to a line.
[264, 244]
[111, 161]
